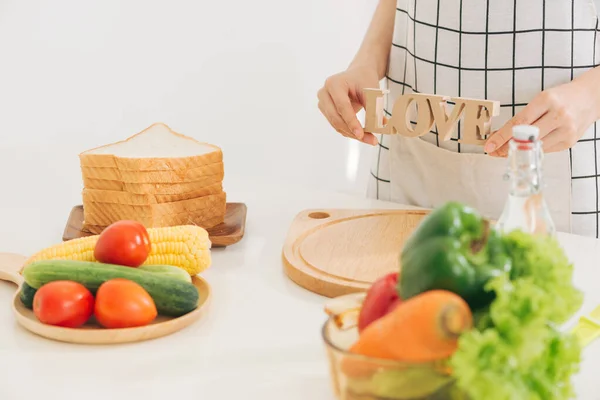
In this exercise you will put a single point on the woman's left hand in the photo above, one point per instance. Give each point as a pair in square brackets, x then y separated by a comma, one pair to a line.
[562, 114]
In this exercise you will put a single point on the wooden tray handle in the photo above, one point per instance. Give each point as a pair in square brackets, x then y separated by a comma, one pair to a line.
[10, 265]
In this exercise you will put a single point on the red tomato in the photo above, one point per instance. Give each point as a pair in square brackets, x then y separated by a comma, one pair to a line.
[124, 243]
[121, 303]
[393, 305]
[382, 297]
[63, 303]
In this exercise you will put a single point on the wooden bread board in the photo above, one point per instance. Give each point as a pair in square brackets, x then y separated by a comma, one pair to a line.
[225, 234]
[333, 252]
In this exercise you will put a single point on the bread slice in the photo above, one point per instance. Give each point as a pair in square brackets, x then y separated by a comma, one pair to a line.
[200, 211]
[114, 196]
[199, 219]
[156, 148]
[172, 176]
[157, 210]
[152, 188]
[206, 218]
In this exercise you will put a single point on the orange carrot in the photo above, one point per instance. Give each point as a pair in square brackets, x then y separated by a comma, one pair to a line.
[423, 328]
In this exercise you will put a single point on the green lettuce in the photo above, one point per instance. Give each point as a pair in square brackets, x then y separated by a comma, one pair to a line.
[517, 350]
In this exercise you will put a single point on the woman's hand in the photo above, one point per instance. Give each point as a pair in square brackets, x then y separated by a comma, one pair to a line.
[342, 97]
[562, 115]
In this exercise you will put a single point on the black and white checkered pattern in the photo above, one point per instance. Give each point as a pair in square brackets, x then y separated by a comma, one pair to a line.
[504, 50]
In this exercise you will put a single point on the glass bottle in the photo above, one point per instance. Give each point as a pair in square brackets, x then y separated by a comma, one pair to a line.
[526, 208]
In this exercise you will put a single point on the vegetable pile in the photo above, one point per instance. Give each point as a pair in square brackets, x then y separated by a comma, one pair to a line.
[485, 304]
[117, 289]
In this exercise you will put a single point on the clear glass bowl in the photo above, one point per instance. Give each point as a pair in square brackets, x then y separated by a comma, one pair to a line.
[356, 377]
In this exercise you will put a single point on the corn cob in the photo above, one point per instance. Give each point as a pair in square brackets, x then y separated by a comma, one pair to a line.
[184, 246]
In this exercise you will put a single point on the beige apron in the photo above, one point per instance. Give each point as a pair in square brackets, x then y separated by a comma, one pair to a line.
[445, 54]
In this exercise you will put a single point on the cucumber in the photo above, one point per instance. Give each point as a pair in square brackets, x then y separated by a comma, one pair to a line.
[27, 292]
[173, 297]
[168, 270]
[26, 295]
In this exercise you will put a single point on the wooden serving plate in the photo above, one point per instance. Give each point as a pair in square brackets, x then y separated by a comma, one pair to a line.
[91, 333]
[336, 252]
[225, 234]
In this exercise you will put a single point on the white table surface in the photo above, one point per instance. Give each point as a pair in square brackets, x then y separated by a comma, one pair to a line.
[260, 339]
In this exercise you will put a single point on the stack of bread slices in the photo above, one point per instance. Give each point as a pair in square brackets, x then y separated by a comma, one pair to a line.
[157, 177]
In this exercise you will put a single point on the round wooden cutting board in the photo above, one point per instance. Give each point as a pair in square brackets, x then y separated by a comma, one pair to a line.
[336, 252]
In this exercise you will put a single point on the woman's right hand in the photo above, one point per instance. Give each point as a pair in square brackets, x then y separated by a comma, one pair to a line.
[342, 97]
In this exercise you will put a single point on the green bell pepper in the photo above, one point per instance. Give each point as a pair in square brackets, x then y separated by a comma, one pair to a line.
[456, 249]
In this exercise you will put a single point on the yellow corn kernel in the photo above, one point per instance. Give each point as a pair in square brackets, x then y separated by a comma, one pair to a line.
[81, 249]
[184, 246]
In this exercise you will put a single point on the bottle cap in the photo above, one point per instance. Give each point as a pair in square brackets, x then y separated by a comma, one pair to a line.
[526, 133]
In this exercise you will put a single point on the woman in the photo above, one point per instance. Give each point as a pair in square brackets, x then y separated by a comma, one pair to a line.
[538, 58]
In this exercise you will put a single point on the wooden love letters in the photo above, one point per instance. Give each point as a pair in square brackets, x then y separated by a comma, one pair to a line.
[431, 109]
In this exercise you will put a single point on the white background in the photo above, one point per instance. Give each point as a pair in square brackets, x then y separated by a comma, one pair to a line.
[243, 75]
[240, 74]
